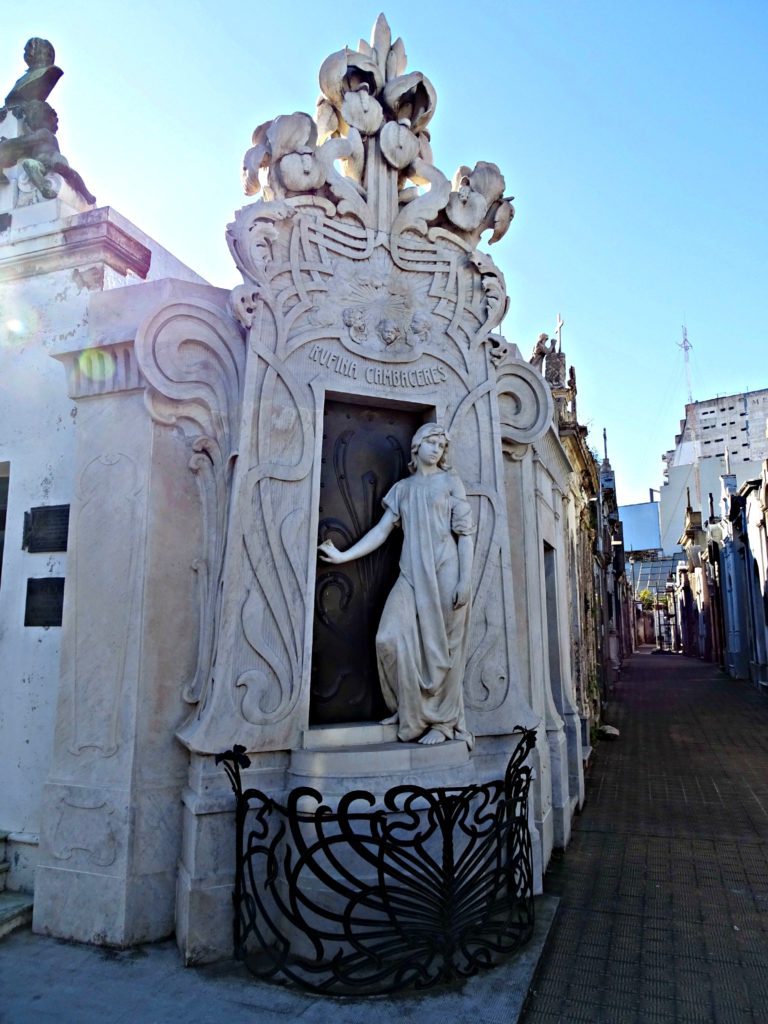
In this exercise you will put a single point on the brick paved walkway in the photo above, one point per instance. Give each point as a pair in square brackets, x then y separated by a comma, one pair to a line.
[664, 887]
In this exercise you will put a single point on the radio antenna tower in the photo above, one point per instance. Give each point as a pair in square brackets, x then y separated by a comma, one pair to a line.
[693, 424]
[686, 346]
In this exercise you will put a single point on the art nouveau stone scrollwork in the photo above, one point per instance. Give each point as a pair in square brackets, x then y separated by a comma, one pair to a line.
[361, 278]
[193, 359]
[525, 402]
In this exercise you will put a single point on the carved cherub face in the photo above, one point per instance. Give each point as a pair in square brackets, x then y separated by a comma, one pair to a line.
[353, 317]
[419, 323]
[389, 331]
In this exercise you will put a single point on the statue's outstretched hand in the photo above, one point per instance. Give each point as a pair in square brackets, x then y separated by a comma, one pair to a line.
[328, 552]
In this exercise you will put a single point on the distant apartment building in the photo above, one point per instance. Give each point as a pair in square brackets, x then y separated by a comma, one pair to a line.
[726, 434]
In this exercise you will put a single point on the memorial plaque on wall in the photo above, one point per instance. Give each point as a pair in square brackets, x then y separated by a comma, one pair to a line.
[45, 601]
[45, 528]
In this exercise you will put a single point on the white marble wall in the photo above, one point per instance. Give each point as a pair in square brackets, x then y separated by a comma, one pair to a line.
[53, 257]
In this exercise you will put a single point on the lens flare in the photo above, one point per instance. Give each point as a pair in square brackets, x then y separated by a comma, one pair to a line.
[17, 328]
[13, 333]
[19, 320]
[97, 364]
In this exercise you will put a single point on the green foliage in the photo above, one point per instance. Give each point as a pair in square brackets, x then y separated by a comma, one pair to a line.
[647, 600]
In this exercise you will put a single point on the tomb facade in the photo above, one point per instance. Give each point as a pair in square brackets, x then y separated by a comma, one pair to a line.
[221, 436]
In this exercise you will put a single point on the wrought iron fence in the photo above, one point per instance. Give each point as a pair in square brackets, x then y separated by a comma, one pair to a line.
[425, 887]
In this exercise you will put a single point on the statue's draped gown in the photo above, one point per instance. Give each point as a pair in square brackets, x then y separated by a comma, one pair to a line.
[421, 644]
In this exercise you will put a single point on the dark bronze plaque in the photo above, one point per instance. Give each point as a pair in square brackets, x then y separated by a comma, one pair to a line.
[45, 601]
[45, 528]
[365, 451]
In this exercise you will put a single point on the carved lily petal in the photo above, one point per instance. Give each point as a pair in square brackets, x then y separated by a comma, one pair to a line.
[332, 72]
[255, 158]
[425, 105]
[362, 111]
[399, 145]
[381, 40]
[355, 162]
[503, 218]
[425, 147]
[326, 118]
[458, 178]
[363, 69]
[396, 60]
[259, 137]
[487, 179]
[466, 212]
[301, 172]
[291, 132]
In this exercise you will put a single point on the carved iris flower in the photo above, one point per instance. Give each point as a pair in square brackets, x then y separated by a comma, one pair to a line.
[287, 143]
[411, 99]
[351, 81]
[476, 202]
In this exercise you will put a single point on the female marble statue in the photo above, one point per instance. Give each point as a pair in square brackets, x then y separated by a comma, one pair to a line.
[422, 637]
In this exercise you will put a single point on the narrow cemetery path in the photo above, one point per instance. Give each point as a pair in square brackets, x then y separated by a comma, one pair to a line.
[664, 887]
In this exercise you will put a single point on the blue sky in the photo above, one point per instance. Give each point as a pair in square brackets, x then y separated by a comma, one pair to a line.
[632, 135]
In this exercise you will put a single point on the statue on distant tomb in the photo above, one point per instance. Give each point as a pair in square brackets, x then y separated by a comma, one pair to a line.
[421, 643]
[37, 152]
[38, 82]
[36, 149]
[541, 350]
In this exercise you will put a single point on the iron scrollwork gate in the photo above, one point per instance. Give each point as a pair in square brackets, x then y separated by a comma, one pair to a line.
[428, 887]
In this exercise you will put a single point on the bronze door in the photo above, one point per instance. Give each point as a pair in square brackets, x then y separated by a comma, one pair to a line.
[365, 451]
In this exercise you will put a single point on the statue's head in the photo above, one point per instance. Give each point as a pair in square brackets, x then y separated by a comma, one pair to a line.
[38, 53]
[429, 430]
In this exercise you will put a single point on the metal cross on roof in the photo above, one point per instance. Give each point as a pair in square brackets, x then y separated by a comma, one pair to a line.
[558, 327]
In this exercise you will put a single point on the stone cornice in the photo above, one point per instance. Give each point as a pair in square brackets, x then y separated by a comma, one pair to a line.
[86, 238]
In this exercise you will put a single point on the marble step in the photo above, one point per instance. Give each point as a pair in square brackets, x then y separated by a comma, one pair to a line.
[335, 737]
[363, 760]
[15, 911]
